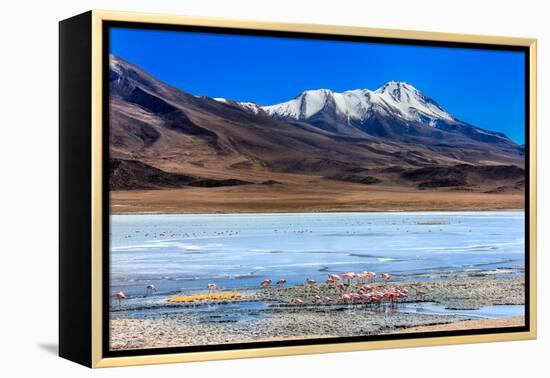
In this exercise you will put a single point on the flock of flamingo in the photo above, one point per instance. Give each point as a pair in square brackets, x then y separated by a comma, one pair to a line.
[364, 294]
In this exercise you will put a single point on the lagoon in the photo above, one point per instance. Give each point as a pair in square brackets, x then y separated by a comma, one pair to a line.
[183, 253]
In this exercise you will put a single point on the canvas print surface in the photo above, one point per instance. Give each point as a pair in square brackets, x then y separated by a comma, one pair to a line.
[272, 188]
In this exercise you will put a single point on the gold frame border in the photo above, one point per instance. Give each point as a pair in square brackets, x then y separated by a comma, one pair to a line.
[97, 333]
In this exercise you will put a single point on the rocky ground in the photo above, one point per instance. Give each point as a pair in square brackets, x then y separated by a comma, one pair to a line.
[284, 320]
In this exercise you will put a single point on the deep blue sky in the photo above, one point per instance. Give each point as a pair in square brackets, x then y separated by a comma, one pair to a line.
[482, 87]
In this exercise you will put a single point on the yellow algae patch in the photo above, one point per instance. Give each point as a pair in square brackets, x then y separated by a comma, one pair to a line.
[204, 297]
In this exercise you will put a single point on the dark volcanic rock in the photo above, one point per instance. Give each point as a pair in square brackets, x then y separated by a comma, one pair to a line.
[134, 175]
[442, 183]
[456, 174]
[358, 179]
[270, 182]
[213, 183]
[463, 175]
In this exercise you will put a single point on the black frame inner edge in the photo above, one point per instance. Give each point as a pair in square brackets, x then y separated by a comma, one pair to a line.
[107, 25]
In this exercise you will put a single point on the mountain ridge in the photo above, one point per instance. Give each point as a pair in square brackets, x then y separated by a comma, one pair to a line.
[362, 104]
[179, 133]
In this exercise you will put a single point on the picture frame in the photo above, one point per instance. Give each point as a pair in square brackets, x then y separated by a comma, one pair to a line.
[86, 233]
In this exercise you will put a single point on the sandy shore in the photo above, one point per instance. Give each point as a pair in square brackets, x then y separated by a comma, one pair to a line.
[283, 320]
[513, 321]
[316, 196]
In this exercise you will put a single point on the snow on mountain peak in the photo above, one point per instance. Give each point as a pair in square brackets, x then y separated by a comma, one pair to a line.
[394, 97]
[251, 107]
[410, 102]
[117, 66]
[303, 106]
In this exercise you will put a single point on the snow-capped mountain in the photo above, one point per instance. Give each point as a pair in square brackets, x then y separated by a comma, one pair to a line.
[396, 109]
[319, 132]
[395, 98]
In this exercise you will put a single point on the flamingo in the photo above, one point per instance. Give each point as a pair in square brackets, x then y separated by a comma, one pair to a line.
[266, 283]
[348, 276]
[297, 301]
[403, 293]
[345, 298]
[364, 297]
[363, 289]
[334, 278]
[212, 287]
[368, 276]
[354, 296]
[392, 295]
[120, 296]
[310, 281]
[386, 277]
[150, 290]
[372, 276]
[281, 282]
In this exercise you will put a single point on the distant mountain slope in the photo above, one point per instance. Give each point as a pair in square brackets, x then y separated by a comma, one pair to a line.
[319, 133]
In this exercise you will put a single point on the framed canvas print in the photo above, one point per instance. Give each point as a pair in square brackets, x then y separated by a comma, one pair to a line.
[234, 189]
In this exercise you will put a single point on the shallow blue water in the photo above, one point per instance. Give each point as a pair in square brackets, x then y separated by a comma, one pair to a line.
[236, 251]
[253, 310]
[500, 311]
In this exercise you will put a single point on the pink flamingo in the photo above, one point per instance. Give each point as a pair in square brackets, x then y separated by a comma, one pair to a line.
[281, 282]
[403, 293]
[212, 287]
[364, 297]
[372, 276]
[327, 300]
[393, 295]
[310, 281]
[266, 283]
[297, 301]
[355, 296]
[345, 298]
[334, 278]
[363, 289]
[120, 296]
[348, 277]
[386, 277]
[363, 277]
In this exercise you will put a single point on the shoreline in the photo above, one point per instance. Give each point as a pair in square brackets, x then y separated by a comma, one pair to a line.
[283, 320]
[273, 212]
